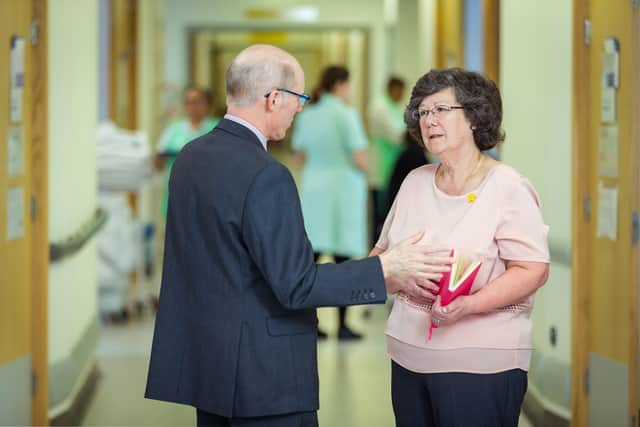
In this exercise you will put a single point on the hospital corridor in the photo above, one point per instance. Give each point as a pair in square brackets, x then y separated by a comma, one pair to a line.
[364, 213]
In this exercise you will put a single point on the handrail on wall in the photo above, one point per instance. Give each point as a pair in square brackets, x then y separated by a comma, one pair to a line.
[75, 242]
[560, 253]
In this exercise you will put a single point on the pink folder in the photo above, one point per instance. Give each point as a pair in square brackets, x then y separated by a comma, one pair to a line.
[457, 281]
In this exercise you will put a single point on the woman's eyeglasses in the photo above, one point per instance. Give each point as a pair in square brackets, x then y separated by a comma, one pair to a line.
[436, 110]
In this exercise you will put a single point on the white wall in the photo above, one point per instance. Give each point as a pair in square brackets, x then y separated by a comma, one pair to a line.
[536, 85]
[412, 50]
[405, 59]
[73, 101]
[149, 77]
[426, 46]
[182, 14]
[149, 70]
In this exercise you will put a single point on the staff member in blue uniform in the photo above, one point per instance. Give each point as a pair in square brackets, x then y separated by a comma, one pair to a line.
[331, 138]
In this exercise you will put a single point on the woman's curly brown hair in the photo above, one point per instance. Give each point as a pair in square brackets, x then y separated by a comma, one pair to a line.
[478, 95]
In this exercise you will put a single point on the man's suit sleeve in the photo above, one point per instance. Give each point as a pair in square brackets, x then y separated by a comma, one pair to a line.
[274, 233]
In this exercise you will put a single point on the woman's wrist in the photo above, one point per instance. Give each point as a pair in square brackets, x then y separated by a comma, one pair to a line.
[475, 304]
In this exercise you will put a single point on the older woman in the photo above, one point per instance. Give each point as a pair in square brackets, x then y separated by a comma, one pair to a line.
[473, 372]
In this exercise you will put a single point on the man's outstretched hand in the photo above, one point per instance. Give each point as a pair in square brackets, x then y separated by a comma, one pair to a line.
[414, 269]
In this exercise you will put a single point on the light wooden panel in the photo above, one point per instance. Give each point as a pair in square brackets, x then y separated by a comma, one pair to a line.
[605, 272]
[15, 277]
[40, 229]
[634, 153]
[491, 25]
[580, 233]
[450, 34]
[609, 288]
[123, 66]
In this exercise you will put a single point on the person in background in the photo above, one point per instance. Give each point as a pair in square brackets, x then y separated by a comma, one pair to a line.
[197, 121]
[473, 372]
[386, 128]
[413, 156]
[332, 147]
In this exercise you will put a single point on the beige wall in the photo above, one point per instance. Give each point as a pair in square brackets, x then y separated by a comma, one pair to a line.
[73, 93]
[211, 13]
[379, 16]
[536, 84]
[150, 75]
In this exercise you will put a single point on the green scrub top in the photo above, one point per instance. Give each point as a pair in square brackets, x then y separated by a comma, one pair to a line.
[333, 190]
[173, 138]
[388, 151]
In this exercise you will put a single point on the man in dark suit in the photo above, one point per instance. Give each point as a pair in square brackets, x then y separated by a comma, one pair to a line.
[236, 328]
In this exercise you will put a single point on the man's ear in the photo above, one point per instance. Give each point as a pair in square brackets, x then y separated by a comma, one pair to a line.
[271, 100]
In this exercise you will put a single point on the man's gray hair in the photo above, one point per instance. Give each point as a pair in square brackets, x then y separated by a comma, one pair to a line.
[253, 73]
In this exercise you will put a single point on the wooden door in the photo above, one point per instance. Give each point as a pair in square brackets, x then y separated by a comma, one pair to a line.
[605, 173]
[124, 16]
[450, 22]
[449, 33]
[39, 158]
[23, 213]
[491, 41]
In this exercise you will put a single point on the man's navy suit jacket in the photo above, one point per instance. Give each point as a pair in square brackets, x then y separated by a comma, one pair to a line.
[236, 328]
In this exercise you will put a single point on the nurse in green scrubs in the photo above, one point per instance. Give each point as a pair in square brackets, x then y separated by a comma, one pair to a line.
[386, 127]
[197, 122]
[329, 139]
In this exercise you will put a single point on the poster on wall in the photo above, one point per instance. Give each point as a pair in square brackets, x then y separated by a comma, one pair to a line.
[15, 213]
[15, 151]
[16, 79]
[610, 79]
[608, 151]
[607, 212]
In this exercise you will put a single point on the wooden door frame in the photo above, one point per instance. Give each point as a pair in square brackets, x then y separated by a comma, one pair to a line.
[117, 44]
[40, 227]
[491, 38]
[441, 35]
[634, 397]
[491, 42]
[581, 166]
[580, 225]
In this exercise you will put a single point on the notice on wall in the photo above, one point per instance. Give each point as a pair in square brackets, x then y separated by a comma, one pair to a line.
[607, 212]
[610, 79]
[15, 151]
[608, 151]
[15, 213]
[16, 79]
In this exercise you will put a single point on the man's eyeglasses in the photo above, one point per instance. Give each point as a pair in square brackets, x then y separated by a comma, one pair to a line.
[302, 98]
[436, 110]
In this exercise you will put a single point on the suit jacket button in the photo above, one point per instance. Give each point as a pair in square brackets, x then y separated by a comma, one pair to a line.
[372, 295]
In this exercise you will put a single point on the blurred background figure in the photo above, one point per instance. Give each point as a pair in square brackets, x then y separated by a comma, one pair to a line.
[332, 147]
[386, 126]
[412, 156]
[197, 121]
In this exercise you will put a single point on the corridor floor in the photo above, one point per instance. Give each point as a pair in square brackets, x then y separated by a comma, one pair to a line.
[354, 377]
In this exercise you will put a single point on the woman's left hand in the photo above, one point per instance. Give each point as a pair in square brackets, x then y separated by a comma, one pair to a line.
[456, 310]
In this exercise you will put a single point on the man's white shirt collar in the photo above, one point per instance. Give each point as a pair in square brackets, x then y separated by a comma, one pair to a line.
[252, 128]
